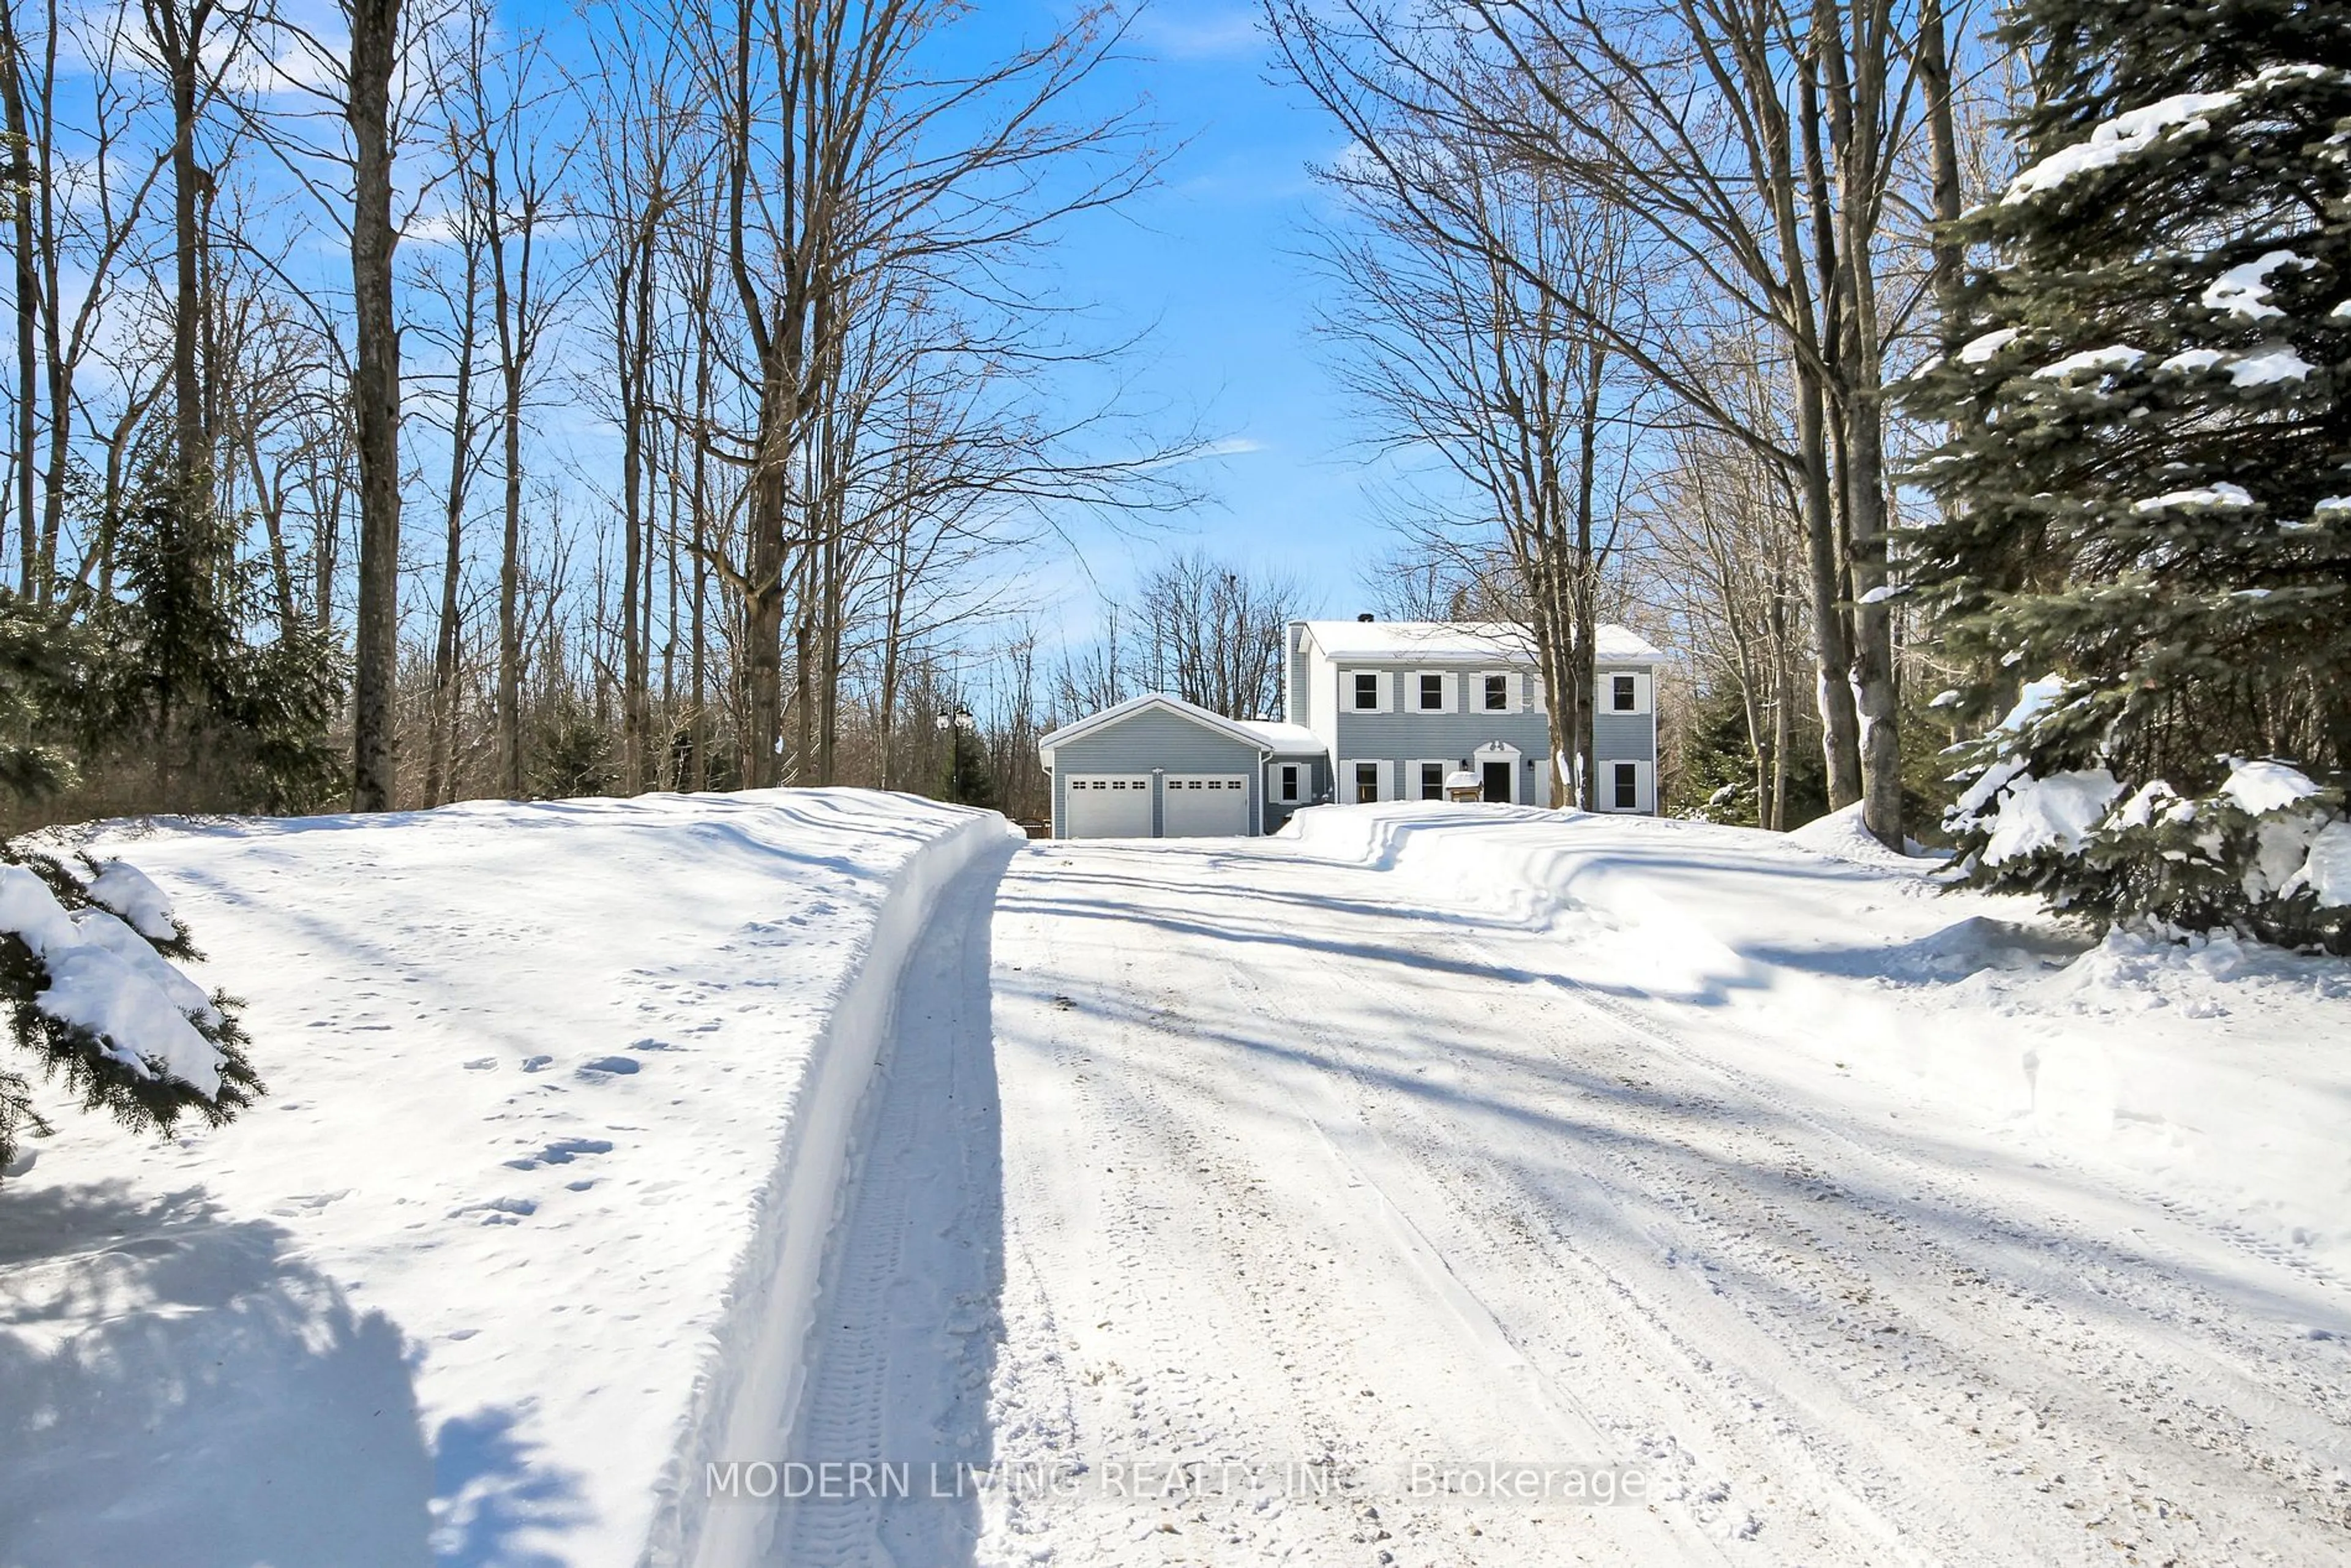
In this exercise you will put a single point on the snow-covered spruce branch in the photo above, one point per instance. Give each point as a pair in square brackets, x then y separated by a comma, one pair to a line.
[2268, 853]
[87, 977]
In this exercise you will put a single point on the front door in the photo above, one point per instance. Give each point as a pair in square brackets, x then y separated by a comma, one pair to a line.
[1496, 783]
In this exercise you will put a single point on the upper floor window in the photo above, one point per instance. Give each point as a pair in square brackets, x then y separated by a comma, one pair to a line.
[1432, 693]
[1624, 693]
[1367, 689]
[1498, 693]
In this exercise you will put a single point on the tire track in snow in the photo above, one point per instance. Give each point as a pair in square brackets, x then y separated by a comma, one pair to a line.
[2095, 1376]
[1375, 1355]
[899, 1354]
[2182, 1359]
[1709, 1264]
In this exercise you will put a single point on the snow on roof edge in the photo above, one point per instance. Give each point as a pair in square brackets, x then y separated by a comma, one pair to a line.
[1461, 639]
[1234, 728]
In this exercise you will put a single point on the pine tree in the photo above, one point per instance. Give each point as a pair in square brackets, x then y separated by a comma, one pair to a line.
[2146, 493]
[224, 722]
[36, 655]
[970, 781]
[86, 981]
[88, 986]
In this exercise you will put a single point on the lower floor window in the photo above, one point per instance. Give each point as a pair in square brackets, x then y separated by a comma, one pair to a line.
[1367, 783]
[1290, 781]
[1432, 781]
[1628, 787]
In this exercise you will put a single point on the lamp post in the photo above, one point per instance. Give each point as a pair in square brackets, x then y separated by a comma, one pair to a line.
[950, 724]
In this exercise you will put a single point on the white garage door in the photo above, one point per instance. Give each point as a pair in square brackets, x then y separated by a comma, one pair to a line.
[1108, 806]
[1206, 806]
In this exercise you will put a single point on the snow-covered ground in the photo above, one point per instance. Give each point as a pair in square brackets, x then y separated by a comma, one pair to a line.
[1872, 1226]
[1845, 1221]
[554, 1091]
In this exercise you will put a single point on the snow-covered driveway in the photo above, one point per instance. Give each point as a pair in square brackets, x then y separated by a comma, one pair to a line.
[1306, 1161]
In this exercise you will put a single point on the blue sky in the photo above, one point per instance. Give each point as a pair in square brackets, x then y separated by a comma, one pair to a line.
[1209, 260]
[1208, 264]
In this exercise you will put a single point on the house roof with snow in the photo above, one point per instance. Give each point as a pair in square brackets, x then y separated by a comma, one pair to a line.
[1246, 731]
[1286, 740]
[1465, 641]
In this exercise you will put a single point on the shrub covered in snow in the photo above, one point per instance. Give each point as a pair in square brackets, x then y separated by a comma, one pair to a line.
[2268, 852]
[88, 981]
[2146, 484]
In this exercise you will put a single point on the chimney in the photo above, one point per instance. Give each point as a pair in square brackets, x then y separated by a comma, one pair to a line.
[1365, 617]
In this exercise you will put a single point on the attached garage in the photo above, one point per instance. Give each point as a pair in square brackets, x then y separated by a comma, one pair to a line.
[1205, 807]
[1156, 767]
[1103, 806]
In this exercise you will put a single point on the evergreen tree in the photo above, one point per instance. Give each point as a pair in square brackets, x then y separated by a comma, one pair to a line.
[225, 723]
[36, 652]
[2144, 540]
[86, 981]
[970, 781]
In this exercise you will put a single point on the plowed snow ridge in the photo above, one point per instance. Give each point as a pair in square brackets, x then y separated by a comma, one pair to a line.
[1836, 1208]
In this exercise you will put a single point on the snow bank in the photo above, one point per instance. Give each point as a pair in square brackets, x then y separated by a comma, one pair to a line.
[744, 1406]
[2211, 1071]
[557, 1092]
[1839, 833]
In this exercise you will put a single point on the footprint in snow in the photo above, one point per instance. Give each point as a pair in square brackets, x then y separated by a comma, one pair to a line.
[620, 1066]
[562, 1152]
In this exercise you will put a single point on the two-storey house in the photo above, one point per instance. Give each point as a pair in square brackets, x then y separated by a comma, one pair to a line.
[1372, 711]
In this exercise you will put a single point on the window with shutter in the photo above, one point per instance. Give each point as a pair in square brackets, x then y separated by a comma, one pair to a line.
[1625, 693]
[1498, 693]
[1367, 690]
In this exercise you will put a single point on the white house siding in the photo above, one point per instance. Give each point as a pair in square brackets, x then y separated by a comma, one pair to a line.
[1154, 742]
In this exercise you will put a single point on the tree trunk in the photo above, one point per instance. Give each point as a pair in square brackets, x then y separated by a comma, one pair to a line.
[512, 326]
[1855, 108]
[60, 371]
[440, 754]
[32, 580]
[762, 656]
[375, 392]
[1942, 166]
